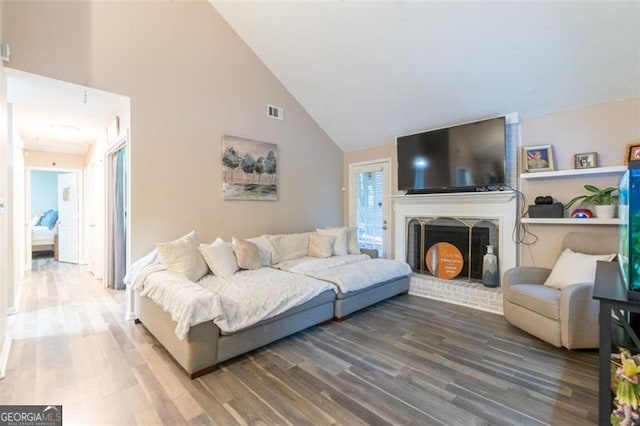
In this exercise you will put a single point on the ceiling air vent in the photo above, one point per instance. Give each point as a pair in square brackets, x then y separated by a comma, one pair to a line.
[275, 112]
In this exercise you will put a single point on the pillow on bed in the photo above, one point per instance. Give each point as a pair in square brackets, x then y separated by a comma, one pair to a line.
[320, 245]
[220, 258]
[49, 219]
[353, 247]
[182, 257]
[36, 220]
[340, 244]
[247, 254]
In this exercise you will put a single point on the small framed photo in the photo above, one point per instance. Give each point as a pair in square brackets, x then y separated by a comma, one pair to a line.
[538, 158]
[585, 160]
[632, 152]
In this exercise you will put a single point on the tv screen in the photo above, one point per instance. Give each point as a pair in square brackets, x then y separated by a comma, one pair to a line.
[458, 158]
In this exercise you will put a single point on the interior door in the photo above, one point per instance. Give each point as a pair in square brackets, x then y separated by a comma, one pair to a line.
[68, 217]
[368, 204]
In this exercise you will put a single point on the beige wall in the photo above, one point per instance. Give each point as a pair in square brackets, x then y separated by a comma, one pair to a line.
[191, 80]
[604, 128]
[53, 160]
[4, 243]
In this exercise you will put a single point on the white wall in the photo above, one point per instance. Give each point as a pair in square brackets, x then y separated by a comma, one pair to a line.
[191, 80]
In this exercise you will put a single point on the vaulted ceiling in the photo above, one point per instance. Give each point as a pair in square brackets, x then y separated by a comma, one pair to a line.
[370, 71]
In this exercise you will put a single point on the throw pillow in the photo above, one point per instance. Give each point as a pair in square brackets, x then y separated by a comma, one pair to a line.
[220, 258]
[352, 240]
[49, 218]
[247, 254]
[182, 257]
[264, 247]
[288, 246]
[572, 268]
[340, 244]
[321, 245]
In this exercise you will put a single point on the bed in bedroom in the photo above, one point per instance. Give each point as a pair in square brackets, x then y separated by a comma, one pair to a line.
[44, 232]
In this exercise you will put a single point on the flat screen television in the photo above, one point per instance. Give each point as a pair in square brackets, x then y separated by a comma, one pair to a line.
[461, 158]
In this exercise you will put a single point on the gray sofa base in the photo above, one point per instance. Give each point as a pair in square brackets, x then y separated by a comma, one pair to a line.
[205, 346]
[348, 303]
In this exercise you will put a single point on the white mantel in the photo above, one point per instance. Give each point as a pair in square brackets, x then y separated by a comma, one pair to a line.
[498, 206]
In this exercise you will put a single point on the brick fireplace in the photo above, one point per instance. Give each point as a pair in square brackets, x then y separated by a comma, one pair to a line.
[468, 220]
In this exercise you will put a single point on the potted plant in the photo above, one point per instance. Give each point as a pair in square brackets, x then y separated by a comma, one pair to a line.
[605, 200]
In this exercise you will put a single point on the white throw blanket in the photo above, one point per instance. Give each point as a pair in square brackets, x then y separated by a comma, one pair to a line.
[358, 276]
[233, 303]
[308, 264]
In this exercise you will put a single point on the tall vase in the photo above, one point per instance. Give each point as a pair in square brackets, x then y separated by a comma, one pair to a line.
[490, 274]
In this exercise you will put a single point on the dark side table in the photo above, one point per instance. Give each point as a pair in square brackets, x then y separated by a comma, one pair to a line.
[611, 291]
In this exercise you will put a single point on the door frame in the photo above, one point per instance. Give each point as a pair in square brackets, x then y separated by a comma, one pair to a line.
[386, 202]
[122, 141]
[27, 209]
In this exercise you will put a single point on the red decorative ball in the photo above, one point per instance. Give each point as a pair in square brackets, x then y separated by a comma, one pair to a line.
[581, 214]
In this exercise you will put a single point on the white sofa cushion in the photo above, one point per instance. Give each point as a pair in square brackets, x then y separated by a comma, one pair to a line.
[352, 240]
[288, 246]
[572, 268]
[340, 244]
[264, 247]
[320, 245]
[182, 257]
[220, 258]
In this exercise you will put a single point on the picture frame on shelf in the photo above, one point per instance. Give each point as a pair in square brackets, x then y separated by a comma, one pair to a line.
[632, 152]
[585, 160]
[538, 158]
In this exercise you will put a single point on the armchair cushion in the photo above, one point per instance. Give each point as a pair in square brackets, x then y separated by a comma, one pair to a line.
[537, 298]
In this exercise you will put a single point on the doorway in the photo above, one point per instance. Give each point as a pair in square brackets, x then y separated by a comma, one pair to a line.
[53, 225]
[369, 189]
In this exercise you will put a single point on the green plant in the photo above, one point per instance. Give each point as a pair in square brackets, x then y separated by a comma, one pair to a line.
[597, 196]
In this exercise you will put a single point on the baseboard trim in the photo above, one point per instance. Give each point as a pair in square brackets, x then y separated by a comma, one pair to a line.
[130, 316]
[4, 356]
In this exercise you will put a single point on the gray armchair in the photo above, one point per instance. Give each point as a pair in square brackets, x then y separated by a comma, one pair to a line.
[567, 317]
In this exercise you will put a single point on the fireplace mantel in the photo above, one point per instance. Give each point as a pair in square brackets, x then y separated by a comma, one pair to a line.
[498, 206]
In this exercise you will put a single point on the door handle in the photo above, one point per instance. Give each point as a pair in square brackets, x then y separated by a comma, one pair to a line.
[384, 228]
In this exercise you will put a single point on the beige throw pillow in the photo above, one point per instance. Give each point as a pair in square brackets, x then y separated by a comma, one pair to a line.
[573, 268]
[220, 258]
[321, 245]
[247, 254]
[340, 244]
[182, 257]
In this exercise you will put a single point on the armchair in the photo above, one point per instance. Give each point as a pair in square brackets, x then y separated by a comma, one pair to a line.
[566, 317]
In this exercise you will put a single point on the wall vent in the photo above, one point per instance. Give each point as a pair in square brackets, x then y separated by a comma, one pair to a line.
[275, 112]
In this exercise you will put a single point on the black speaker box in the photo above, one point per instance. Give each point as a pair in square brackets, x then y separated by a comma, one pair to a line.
[540, 211]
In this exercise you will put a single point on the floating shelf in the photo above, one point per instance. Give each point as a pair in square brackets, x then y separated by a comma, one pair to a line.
[610, 170]
[570, 221]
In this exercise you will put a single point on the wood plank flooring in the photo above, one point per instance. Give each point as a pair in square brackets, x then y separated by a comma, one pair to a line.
[408, 360]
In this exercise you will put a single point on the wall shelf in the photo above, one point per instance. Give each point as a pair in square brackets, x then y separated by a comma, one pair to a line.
[570, 221]
[610, 170]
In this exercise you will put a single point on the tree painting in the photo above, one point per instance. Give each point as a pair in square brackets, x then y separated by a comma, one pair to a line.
[249, 169]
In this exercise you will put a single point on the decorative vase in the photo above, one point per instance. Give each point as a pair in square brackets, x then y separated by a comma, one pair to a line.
[490, 275]
[606, 212]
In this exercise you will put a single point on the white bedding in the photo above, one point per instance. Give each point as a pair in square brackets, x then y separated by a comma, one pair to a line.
[42, 235]
[307, 264]
[233, 303]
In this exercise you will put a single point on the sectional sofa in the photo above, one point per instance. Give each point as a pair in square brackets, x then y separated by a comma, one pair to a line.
[209, 303]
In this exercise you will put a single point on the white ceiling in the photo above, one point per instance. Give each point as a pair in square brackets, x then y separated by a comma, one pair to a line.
[370, 71]
[44, 110]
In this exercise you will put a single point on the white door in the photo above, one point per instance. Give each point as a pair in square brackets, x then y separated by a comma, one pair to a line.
[68, 217]
[368, 204]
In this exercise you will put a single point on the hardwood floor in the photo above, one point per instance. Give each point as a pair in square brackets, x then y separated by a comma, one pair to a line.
[405, 361]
